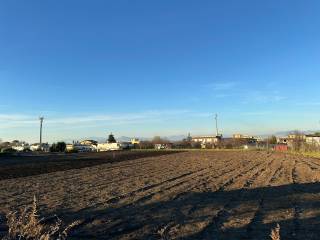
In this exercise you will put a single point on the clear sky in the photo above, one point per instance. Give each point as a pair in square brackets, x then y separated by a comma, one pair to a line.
[145, 68]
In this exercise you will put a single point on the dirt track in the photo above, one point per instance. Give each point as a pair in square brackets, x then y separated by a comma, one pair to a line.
[190, 195]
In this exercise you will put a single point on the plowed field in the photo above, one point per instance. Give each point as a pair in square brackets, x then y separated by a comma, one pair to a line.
[187, 195]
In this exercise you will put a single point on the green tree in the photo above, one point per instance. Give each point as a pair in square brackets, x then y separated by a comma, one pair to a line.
[58, 147]
[53, 147]
[298, 140]
[61, 146]
[111, 138]
[189, 138]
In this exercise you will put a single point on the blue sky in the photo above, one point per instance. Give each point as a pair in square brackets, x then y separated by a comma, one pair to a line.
[145, 68]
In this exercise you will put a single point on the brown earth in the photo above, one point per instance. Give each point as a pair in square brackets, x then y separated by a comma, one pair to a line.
[29, 164]
[187, 195]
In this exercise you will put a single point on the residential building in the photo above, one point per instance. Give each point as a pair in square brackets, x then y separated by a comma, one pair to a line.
[89, 142]
[103, 147]
[245, 136]
[313, 139]
[36, 147]
[241, 136]
[21, 148]
[247, 139]
[159, 146]
[296, 136]
[207, 139]
[81, 147]
[70, 147]
[282, 140]
[5, 145]
[135, 141]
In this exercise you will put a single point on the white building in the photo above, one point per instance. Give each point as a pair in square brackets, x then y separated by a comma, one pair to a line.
[89, 142]
[20, 148]
[36, 147]
[81, 148]
[135, 141]
[313, 139]
[207, 139]
[103, 147]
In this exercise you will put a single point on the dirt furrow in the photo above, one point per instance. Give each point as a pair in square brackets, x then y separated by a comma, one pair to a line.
[185, 183]
[237, 195]
[161, 188]
[253, 228]
[245, 171]
[294, 234]
[216, 226]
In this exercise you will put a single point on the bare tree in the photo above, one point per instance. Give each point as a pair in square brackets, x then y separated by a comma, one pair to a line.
[298, 140]
[272, 139]
[145, 145]
[159, 140]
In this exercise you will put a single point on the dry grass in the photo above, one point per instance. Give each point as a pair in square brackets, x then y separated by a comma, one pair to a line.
[27, 225]
[313, 154]
[275, 233]
[163, 233]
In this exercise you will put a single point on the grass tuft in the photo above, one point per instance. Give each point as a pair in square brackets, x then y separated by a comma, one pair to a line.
[163, 233]
[275, 233]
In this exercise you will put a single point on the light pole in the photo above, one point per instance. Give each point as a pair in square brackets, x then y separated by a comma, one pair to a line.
[41, 122]
[216, 118]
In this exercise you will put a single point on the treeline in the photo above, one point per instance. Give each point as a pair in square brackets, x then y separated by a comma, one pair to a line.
[183, 144]
[58, 147]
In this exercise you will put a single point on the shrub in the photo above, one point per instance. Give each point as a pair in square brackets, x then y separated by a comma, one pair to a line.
[111, 138]
[8, 150]
[28, 225]
[72, 151]
[196, 145]
[275, 233]
[58, 147]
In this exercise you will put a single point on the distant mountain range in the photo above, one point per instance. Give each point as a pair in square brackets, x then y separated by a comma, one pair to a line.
[171, 138]
[127, 139]
[286, 133]
[180, 137]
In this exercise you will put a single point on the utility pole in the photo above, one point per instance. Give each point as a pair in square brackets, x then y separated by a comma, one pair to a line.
[41, 121]
[216, 118]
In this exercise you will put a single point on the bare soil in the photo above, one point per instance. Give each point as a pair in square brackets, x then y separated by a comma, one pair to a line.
[186, 195]
[29, 164]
